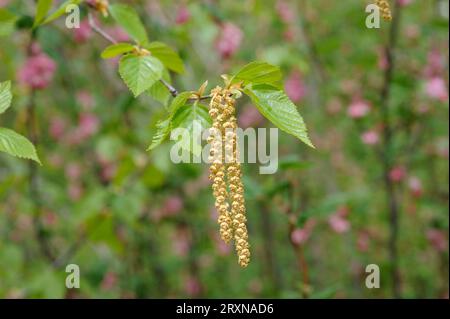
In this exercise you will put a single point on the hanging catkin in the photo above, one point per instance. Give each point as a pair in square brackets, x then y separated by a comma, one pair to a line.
[232, 223]
[217, 168]
[385, 9]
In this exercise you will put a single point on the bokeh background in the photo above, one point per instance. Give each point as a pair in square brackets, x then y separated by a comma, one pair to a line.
[375, 191]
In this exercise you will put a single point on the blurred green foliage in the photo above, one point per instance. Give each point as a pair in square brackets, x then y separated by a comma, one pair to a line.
[140, 226]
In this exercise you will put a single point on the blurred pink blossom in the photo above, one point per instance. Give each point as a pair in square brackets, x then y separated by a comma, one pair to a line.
[57, 127]
[107, 169]
[222, 247]
[422, 108]
[229, 39]
[24, 223]
[397, 174]
[358, 109]
[183, 15]
[289, 34]
[50, 219]
[88, 125]
[155, 214]
[192, 286]
[73, 171]
[299, 236]
[294, 86]
[435, 64]
[370, 137]
[441, 147]
[213, 213]
[383, 62]
[108, 172]
[181, 242]
[172, 205]
[349, 86]
[415, 186]
[74, 137]
[404, 3]
[35, 48]
[437, 239]
[109, 281]
[255, 286]
[4, 3]
[118, 34]
[339, 222]
[75, 191]
[334, 106]
[83, 33]
[412, 31]
[85, 99]
[250, 117]
[285, 12]
[436, 89]
[192, 187]
[363, 241]
[37, 71]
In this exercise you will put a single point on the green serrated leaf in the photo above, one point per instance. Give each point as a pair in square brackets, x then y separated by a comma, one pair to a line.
[60, 11]
[179, 101]
[128, 19]
[140, 72]
[17, 145]
[5, 96]
[167, 55]
[279, 109]
[162, 132]
[194, 118]
[258, 72]
[7, 22]
[164, 126]
[159, 92]
[42, 8]
[116, 49]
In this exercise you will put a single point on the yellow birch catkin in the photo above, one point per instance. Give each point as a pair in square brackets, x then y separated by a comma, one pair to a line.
[217, 168]
[385, 9]
[222, 110]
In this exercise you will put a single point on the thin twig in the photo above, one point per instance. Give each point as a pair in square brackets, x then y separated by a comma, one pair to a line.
[201, 98]
[97, 29]
[41, 237]
[393, 205]
[173, 91]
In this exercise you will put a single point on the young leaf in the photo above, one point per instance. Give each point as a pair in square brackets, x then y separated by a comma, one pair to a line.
[179, 101]
[17, 145]
[276, 106]
[167, 55]
[194, 118]
[140, 72]
[164, 126]
[258, 72]
[7, 22]
[43, 7]
[5, 96]
[159, 92]
[163, 130]
[116, 49]
[60, 11]
[128, 19]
